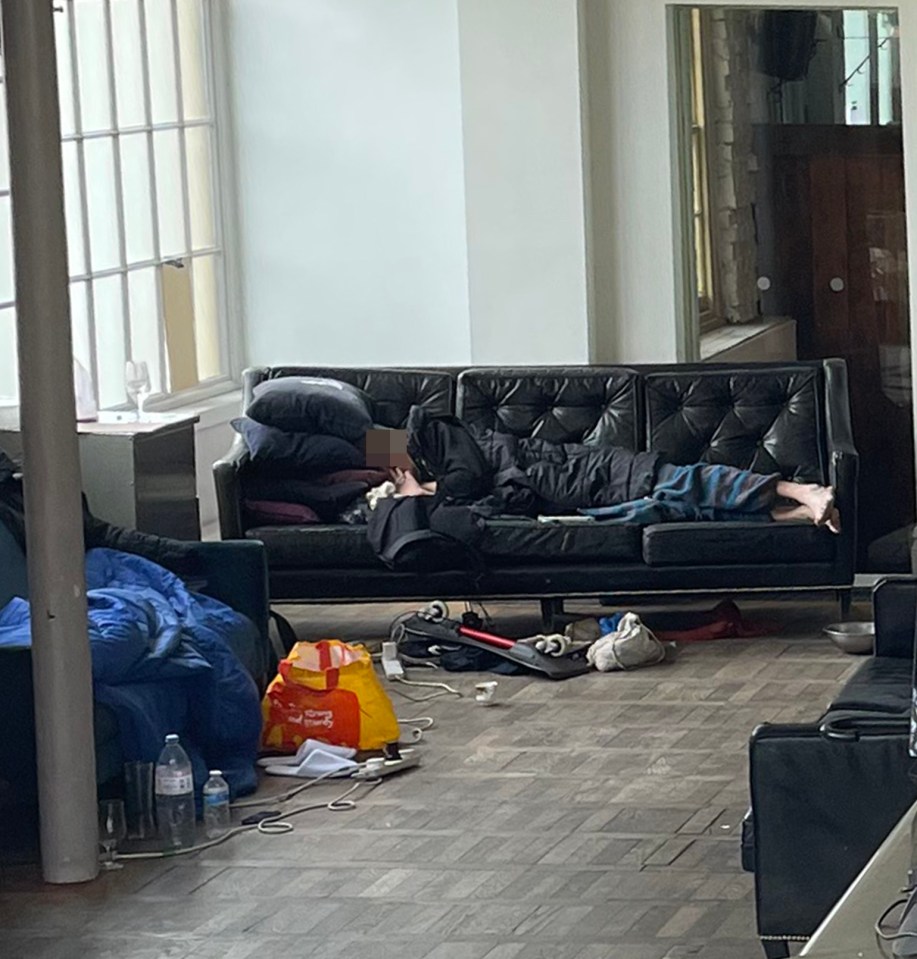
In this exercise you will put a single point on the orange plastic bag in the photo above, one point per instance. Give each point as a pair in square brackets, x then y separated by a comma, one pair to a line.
[327, 691]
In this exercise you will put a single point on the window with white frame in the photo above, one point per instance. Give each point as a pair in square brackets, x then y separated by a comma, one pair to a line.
[138, 140]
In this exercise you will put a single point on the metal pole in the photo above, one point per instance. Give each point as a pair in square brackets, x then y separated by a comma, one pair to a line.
[61, 671]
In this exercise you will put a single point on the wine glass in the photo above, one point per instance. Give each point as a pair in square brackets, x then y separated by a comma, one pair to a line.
[137, 382]
[112, 830]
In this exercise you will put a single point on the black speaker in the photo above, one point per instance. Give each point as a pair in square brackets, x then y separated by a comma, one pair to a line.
[787, 42]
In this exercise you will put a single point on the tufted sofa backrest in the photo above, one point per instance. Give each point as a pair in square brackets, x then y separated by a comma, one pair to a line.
[593, 405]
[764, 417]
[767, 418]
[394, 391]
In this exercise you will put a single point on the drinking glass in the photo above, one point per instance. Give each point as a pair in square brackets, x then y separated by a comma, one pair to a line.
[112, 830]
[137, 383]
[138, 800]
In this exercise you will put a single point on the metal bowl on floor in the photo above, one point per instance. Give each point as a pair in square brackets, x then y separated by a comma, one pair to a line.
[855, 638]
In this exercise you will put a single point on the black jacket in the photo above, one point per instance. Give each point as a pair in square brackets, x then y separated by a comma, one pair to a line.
[509, 474]
[173, 554]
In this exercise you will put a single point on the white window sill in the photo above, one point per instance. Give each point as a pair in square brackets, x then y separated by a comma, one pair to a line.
[725, 338]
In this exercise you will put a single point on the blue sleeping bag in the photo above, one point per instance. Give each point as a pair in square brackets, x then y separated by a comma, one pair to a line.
[162, 661]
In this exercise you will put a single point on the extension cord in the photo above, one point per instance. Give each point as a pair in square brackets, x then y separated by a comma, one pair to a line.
[379, 767]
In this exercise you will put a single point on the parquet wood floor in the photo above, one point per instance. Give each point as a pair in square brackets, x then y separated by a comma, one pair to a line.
[595, 818]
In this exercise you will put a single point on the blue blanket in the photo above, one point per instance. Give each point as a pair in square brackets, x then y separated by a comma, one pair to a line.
[162, 660]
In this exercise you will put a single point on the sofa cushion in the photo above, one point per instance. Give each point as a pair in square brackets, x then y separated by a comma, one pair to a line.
[766, 420]
[881, 684]
[327, 501]
[518, 541]
[717, 544]
[592, 405]
[330, 546]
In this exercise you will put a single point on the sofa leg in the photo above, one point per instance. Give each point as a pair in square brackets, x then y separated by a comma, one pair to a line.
[776, 948]
[845, 598]
[551, 609]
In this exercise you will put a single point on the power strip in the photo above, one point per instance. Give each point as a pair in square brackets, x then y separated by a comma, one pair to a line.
[378, 767]
[391, 664]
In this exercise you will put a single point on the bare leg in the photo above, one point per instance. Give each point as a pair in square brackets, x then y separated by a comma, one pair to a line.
[817, 501]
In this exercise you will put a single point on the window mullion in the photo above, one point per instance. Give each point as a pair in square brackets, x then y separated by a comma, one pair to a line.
[84, 201]
[143, 128]
[119, 187]
[227, 360]
[154, 197]
[182, 143]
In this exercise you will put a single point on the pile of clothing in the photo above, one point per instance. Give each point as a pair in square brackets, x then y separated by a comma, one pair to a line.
[305, 436]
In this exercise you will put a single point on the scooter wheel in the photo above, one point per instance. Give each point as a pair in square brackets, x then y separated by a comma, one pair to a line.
[436, 611]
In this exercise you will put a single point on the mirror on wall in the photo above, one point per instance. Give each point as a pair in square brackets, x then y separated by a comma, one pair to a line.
[792, 157]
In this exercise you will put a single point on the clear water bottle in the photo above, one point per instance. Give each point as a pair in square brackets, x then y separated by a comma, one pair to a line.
[175, 796]
[216, 805]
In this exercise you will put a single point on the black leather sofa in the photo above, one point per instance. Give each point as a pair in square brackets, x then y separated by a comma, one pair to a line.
[825, 794]
[791, 418]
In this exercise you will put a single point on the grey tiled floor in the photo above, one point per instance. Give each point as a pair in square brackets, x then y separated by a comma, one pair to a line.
[595, 818]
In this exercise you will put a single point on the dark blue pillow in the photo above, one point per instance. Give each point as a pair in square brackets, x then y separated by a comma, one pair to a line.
[311, 404]
[297, 453]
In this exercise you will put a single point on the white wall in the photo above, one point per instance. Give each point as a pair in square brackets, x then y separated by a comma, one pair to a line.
[348, 155]
[524, 181]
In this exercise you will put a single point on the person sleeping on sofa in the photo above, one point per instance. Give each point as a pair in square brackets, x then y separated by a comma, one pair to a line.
[511, 474]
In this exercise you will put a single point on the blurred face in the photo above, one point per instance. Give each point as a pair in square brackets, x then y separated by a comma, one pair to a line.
[387, 450]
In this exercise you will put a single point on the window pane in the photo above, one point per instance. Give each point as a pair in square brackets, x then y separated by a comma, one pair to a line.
[7, 287]
[76, 252]
[161, 46]
[9, 367]
[206, 317]
[62, 27]
[103, 210]
[138, 204]
[200, 191]
[127, 51]
[79, 324]
[110, 347]
[144, 306]
[92, 61]
[169, 193]
[191, 49]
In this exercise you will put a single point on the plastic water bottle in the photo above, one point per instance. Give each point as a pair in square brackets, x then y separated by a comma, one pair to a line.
[216, 805]
[175, 796]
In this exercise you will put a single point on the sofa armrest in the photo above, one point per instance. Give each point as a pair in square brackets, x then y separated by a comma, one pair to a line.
[235, 573]
[232, 571]
[843, 460]
[226, 479]
[821, 807]
[894, 612]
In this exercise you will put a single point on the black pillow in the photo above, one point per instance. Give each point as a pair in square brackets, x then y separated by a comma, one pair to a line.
[297, 453]
[311, 404]
[328, 501]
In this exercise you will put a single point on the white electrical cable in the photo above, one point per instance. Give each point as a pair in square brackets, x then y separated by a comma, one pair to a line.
[269, 826]
[445, 687]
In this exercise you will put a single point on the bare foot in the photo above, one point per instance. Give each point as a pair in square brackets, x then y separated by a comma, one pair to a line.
[787, 514]
[820, 500]
[833, 522]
